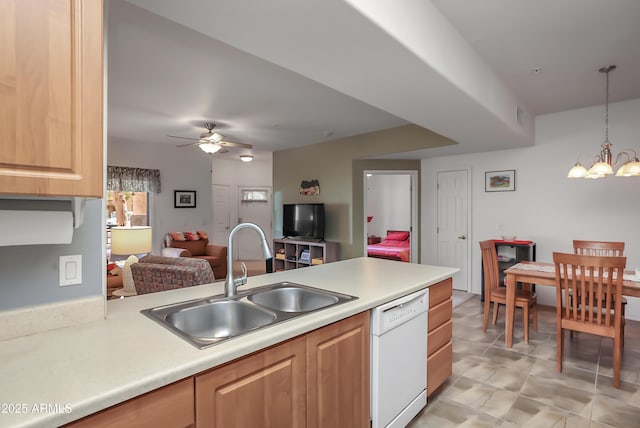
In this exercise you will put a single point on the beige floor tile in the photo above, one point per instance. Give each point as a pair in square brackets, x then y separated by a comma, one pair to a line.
[447, 414]
[628, 392]
[615, 413]
[530, 413]
[520, 387]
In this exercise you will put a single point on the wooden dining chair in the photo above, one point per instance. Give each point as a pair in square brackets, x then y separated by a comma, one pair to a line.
[598, 248]
[496, 294]
[602, 248]
[598, 282]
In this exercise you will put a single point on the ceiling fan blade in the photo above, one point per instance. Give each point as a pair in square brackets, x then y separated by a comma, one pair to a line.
[184, 138]
[189, 144]
[231, 144]
[223, 150]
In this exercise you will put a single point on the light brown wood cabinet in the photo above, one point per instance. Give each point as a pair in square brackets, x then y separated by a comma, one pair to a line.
[338, 376]
[170, 406]
[51, 92]
[439, 344]
[320, 379]
[266, 389]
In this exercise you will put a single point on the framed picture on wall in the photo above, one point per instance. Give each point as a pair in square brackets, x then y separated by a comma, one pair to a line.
[184, 198]
[500, 181]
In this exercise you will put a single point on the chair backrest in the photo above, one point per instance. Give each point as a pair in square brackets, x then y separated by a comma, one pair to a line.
[598, 248]
[489, 266]
[597, 280]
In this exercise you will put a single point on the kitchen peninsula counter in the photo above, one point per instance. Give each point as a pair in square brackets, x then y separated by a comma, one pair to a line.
[62, 375]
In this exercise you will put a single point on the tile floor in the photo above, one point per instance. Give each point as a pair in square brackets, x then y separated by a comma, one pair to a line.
[493, 386]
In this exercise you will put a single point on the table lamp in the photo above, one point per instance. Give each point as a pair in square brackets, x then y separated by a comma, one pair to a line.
[129, 241]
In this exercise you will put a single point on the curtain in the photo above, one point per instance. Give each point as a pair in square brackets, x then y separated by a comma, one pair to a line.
[126, 179]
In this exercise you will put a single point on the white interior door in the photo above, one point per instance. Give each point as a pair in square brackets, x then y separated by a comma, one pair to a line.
[453, 225]
[258, 211]
[221, 214]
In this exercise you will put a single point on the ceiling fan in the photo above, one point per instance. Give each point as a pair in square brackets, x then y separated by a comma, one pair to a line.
[211, 142]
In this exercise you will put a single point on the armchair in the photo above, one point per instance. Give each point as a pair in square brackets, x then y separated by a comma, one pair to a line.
[196, 245]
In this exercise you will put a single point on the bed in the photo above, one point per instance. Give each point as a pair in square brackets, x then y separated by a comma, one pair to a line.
[395, 246]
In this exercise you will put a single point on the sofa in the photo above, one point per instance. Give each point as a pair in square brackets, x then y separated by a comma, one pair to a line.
[196, 245]
[159, 273]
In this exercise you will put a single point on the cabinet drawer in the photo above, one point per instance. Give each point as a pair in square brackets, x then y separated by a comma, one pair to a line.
[439, 337]
[440, 292]
[440, 314]
[439, 368]
[171, 405]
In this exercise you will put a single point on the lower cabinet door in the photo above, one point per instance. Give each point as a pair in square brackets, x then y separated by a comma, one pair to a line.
[266, 389]
[170, 406]
[338, 394]
[439, 368]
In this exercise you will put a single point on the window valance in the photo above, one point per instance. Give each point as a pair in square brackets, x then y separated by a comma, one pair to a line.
[126, 179]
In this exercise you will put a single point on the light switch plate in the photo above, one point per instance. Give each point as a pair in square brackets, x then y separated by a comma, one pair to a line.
[70, 269]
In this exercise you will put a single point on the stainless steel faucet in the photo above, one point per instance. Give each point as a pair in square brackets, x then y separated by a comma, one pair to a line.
[231, 284]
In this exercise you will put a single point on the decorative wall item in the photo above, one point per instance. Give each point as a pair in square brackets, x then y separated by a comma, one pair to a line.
[184, 198]
[310, 187]
[500, 181]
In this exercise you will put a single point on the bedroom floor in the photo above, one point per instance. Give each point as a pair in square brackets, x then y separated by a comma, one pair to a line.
[493, 386]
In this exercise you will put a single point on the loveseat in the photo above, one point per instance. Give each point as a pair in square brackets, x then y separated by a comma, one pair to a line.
[159, 273]
[196, 245]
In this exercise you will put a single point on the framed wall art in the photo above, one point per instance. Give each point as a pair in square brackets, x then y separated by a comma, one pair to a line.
[184, 198]
[500, 181]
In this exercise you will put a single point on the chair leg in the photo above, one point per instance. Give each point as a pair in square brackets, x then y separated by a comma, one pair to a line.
[617, 360]
[496, 306]
[535, 317]
[559, 347]
[622, 334]
[487, 308]
[525, 322]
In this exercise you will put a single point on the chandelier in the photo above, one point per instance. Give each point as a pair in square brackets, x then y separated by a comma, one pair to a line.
[603, 164]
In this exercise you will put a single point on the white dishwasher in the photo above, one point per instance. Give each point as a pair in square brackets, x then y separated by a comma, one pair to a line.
[399, 360]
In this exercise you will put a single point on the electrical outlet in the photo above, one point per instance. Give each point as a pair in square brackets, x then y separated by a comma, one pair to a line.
[70, 268]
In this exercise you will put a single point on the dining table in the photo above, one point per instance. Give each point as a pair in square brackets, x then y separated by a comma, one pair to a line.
[541, 273]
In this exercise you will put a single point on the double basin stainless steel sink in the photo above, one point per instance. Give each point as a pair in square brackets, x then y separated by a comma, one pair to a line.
[206, 322]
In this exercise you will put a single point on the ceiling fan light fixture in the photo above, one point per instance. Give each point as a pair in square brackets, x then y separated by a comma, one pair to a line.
[210, 147]
[246, 158]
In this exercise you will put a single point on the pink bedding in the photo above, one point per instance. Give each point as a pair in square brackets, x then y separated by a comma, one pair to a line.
[391, 249]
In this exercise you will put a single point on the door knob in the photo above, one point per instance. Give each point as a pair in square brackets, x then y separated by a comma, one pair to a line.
[462, 237]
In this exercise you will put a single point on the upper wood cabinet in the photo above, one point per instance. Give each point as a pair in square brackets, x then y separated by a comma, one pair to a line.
[51, 91]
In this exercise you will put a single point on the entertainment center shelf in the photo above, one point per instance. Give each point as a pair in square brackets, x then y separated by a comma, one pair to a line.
[292, 253]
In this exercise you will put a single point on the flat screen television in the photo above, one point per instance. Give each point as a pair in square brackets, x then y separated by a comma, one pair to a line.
[303, 221]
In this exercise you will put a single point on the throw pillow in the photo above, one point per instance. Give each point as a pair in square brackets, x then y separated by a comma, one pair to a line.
[178, 236]
[397, 236]
[203, 234]
[192, 236]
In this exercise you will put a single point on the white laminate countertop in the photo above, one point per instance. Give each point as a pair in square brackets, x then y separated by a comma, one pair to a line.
[52, 378]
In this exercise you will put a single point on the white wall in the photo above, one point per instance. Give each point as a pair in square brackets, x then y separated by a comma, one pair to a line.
[547, 207]
[185, 168]
[389, 202]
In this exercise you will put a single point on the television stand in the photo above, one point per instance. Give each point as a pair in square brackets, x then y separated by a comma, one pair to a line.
[289, 253]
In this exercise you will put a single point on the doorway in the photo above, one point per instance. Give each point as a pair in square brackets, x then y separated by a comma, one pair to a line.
[453, 225]
[391, 204]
